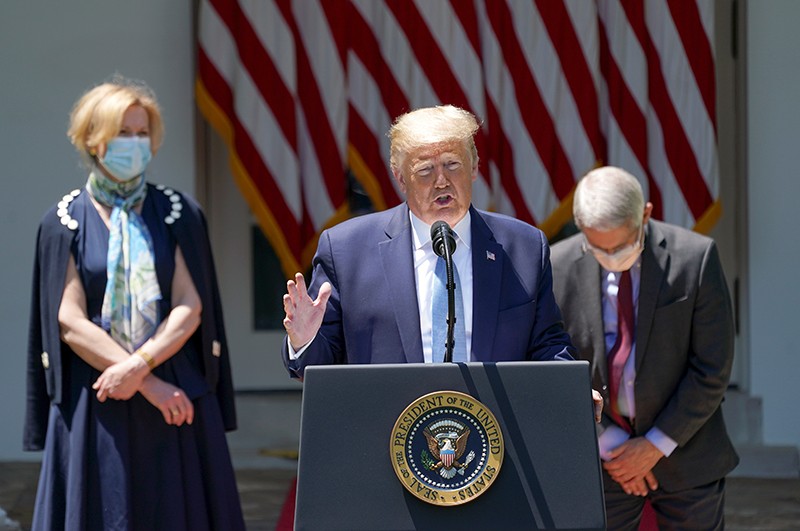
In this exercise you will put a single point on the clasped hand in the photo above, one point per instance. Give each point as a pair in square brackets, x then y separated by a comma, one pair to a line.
[631, 464]
[124, 379]
[121, 380]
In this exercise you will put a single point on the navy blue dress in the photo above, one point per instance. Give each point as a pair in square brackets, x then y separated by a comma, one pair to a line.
[118, 465]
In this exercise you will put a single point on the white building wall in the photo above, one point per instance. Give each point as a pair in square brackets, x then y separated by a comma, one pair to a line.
[50, 53]
[773, 138]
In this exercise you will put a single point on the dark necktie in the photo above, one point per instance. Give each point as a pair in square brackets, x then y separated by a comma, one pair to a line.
[622, 347]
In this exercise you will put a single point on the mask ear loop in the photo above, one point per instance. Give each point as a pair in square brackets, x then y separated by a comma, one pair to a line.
[641, 239]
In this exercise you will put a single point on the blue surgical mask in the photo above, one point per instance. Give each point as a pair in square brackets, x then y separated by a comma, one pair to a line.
[127, 156]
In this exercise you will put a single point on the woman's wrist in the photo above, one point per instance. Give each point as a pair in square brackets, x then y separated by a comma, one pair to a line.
[147, 358]
[147, 383]
[142, 371]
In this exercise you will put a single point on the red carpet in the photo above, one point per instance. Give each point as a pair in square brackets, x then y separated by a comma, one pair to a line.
[286, 518]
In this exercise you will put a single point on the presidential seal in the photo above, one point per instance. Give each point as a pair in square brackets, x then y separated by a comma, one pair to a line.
[446, 448]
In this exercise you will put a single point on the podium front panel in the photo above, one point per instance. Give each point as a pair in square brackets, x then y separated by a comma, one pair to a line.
[550, 476]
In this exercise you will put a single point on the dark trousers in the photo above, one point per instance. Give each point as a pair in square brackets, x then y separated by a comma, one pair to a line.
[700, 508]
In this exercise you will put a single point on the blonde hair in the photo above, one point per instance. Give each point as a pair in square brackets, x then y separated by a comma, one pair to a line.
[97, 116]
[432, 125]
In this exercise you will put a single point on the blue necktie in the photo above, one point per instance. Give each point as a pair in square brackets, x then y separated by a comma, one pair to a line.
[439, 316]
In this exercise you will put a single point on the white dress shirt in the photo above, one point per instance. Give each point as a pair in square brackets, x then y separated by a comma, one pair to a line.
[424, 268]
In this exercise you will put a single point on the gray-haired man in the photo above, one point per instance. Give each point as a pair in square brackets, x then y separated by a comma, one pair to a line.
[648, 305]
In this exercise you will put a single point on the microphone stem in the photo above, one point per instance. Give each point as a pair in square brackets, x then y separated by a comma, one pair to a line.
[451, 302]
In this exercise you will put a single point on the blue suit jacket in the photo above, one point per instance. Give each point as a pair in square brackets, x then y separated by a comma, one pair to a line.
[373, 316]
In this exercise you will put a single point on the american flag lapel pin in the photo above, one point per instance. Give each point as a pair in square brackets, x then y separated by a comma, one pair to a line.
[490, 255]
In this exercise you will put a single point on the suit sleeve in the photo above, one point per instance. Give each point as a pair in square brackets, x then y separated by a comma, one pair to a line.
[224, 388]
[37, 403]
[45, 385]
[192, 236]
[710, 355]
[328, 346]
[549, 340]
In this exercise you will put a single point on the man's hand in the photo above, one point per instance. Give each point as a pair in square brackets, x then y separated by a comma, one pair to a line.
[303, 316]
[640, 486]
[597, 398]
[633, 460]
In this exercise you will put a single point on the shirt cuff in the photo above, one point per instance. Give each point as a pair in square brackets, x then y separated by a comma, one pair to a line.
[661, 440]
[611, 437]
[293, 355]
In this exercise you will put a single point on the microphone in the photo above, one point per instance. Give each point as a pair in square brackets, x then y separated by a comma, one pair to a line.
[444, 241]
[444, 245]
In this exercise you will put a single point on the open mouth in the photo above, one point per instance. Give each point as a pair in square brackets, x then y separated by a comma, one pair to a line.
[444, 200]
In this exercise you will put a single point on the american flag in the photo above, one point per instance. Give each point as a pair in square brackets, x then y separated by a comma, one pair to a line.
[304, 91]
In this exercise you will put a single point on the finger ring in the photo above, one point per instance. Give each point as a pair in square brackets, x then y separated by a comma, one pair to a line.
[174, 412]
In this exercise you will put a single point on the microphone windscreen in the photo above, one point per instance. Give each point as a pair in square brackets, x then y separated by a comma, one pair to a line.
[440, 231]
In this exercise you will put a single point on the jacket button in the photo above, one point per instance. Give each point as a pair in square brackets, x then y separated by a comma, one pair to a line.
[45, 360]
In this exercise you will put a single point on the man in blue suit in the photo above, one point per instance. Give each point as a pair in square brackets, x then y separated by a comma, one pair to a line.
[370, 297]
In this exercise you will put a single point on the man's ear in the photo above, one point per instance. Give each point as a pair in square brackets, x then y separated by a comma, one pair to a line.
[648, 209]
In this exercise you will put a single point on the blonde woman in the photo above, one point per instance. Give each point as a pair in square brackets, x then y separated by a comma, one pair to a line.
[129, 382]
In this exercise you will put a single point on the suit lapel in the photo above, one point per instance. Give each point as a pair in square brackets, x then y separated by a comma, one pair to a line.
[654, 265]
[591, 299]
[487, 268]
[398, 268]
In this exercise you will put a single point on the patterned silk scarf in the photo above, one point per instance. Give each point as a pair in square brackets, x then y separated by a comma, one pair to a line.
[130, 304]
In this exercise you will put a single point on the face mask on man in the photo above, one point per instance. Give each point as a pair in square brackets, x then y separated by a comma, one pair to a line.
[127, 156]
[621, 260]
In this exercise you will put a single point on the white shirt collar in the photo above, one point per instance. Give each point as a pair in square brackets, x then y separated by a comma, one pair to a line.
[421, 231]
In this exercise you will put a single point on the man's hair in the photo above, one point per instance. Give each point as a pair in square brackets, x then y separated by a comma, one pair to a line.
[608, 198]
[432, 125]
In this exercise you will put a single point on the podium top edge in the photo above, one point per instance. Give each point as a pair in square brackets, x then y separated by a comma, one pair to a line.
[471, 364]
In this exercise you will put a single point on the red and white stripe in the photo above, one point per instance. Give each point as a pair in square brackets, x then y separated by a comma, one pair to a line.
[304, 91]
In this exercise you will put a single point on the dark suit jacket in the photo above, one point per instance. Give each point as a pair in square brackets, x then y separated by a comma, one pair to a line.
[373, 315]
[684, 345]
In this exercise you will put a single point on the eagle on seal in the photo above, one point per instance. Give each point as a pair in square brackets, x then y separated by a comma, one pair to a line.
[447, 450]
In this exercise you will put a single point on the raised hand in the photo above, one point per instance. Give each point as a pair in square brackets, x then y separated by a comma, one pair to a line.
[303, 315]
